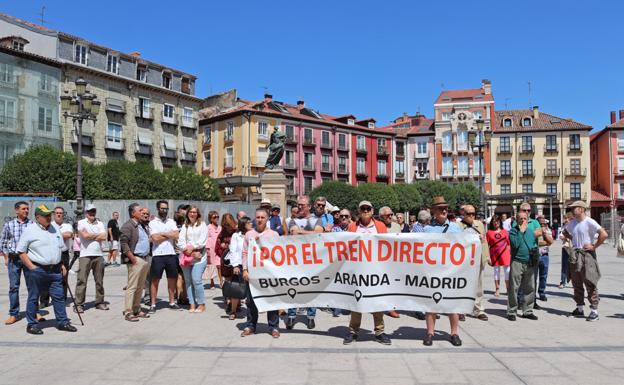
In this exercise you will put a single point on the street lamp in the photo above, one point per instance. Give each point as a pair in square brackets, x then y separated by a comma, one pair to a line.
[479, 138]
[82, 106]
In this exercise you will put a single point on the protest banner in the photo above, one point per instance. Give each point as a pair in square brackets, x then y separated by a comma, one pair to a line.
[366, 272]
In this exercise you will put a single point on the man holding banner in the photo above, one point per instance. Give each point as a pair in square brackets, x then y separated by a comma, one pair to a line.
[367, 225]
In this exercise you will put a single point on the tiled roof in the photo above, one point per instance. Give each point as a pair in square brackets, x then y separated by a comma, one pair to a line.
[418, 125]
[617, 124]
[30, 25]
[597, 196]
[545, 122]
[471, 94]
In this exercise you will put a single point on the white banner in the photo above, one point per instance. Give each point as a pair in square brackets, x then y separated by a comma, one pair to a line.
[366, 272]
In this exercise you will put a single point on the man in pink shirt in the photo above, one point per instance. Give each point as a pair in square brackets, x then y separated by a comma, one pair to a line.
[261, 231]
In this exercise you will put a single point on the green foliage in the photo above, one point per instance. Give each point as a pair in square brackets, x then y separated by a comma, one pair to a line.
[431, 188]
[409, 198]
[467, 192]
[338, 194]
[44, 168]
[379, 194]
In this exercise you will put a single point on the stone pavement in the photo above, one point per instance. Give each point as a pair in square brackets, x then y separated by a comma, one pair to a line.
[178, 347]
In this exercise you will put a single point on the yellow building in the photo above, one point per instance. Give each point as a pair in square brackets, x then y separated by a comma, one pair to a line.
[538, 153]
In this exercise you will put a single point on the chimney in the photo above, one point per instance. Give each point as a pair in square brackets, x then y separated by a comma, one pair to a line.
[535, 112]
[621, 112]
[613, 117]
[268, 98]
[300, 104]
[136, 54]
[486, 86]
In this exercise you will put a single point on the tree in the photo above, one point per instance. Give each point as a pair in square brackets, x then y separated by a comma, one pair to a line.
[379, 195]
[338, 194]
[409, 198]
[186, 184]
[467, 192]
[431, 188]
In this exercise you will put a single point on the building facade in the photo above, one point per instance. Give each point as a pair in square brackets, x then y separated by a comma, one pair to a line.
[538, 153]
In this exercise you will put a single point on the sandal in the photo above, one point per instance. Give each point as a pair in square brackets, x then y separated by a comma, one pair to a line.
[232, 316]
[131, 317]
[142, 315]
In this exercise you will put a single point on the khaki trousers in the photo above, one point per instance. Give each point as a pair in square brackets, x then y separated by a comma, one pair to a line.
[578, 280]
[356, 321]
[136, 281]
[85, 265]
[521, 276]
[478, 305]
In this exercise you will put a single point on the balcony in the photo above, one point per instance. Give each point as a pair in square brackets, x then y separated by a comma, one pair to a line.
[291, 139]
[115, 143]
[382, 151]
[188, 156]
[447, 150]
[188, 121]
[343, 169]
[228, 164]
[576, 172]
[170, 119]
[421, 155]
[551, 149]
[526, 173]
[259, 160]
[503, 150]
[552, 173]
[309, 142]
[400, 175]
[326, 167]
[382, 177]
[263, 137]
[361, 150]
[400, 152]
[526, 150]
[569, 196]
[8, 81]
[144, 112]
[420, 175]
[290, 165]
[574, 148]
[326, 145]
[115, 105]
[11, 125]
[504, 174]
[462, 173]
[448, 174]
[309, 167]
[144, 149]
[463, 148]
[48, 89]
[228, 139]
[361, 174]
[168, 154]
[87, 138]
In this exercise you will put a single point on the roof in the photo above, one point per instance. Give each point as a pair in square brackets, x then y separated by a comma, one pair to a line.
[545, 122]
[272, 108]
[597, 196]
[405, 126]
[31, 56]
[617, 124]
[467, 95]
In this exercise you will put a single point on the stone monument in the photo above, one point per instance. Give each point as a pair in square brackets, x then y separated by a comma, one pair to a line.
[273, 182]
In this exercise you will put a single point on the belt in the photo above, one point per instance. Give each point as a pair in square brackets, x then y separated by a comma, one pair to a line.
[47, 267]
[141, 256]
[13, 255]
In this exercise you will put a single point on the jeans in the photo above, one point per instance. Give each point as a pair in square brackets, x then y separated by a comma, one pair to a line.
[252, 314]
[15, 269]
[543, 275]
[311, 311]
[565, 266]
[194, 284]
[43, 279]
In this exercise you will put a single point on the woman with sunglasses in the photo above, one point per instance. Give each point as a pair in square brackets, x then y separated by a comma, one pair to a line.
[192, 241]
[214, 262]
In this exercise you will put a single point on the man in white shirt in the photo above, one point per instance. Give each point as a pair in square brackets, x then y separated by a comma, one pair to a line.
[92, 232]
[163, 234]
[584, 270]
[67, 232]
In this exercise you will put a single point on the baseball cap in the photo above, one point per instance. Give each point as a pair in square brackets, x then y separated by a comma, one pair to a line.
[365, 203]
[90, 207]
[43, 210]
[265, 201]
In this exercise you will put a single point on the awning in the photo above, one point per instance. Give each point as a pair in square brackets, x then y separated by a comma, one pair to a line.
[238, 181]
[170, 142]
[190, 146]
[144, 138]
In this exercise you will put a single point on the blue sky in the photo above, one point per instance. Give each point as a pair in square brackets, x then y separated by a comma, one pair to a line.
[371, 58]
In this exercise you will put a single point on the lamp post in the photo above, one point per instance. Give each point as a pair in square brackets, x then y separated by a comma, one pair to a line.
[82, 106]
[479, 138]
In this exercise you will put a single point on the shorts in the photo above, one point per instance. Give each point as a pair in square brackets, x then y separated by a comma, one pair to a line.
[114, 245]
[168, 263]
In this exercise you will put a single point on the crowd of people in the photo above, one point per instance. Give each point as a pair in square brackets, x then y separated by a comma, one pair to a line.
[191, 251]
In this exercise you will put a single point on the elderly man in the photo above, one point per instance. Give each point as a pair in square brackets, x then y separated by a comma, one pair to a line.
[472, 226]
[327, 220]
[92, 234]
[441, 224]
[385, 215]
[401, 222]
[304, 224]
[366, 224]
[581, 231]
[135, 248]
[39, 250]
[424, 218]
[276, 222]
[67, 232]
[344, 219]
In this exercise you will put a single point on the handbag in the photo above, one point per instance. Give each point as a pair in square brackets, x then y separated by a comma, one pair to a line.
[534, 254]
[235, 288]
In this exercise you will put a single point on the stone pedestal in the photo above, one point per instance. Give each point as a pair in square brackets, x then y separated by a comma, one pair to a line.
[273, 184]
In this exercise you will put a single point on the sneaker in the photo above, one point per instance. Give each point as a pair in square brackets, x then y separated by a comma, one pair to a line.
[67, 328]
[290, 323]
[543, 298]
[419, 315]
[455, 340]
[311, 323]
[593, 316]
[101, 306]
[511, 317]
[152, 309]
[530, 316]
[349, 339]
[34, 330]
[577, 313]
[383, 339]
[428, 340]
[174, 306]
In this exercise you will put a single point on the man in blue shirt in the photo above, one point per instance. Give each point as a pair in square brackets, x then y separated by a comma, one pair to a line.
[327, 220]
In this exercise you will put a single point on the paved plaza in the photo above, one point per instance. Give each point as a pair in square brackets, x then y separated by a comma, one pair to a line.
[176, 347]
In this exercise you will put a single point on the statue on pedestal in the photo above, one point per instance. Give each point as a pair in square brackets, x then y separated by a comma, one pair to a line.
[276, 149]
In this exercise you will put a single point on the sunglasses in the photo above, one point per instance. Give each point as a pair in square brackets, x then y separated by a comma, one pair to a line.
[164, 209]
[320, 205]
[344, 216]
[526, 210]
[470, 214]
[302, 204]
[365, 209]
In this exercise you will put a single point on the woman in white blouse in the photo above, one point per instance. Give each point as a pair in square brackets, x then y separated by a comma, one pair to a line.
[192, 241]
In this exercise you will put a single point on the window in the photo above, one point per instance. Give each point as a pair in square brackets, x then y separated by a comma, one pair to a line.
[46, 83]
[307, 135]
[262, 156]
[229, 157]
[551, 188]
[307, 160]
[477, 167]
[208, 135]
[527, 188]
[113, 133]
[399, 167]
[207, 160]
[551, 167]
[447, 141]
[620, 139]
[7, 113]
[351, 122]
[263, 129]
[620, 160]
[80, 54]
[325, 162]
[421, 148]
[229, 131]
[575, 142]
[477, 115]
[462, 140]
[400, 149]
[144, 108]
[526, 122]
[527, 167]
[18, 45]
[360, 166]
[446, 116]
[168, 111]
[325, 138]
[621, 191]
[381, 142]
[6, 73]
[505, 189]
[551, 142]
[290, 132]
[112, 64]
[381, 167]
[289, 158]
[505, 168]
[447, 166]
[342, 141]
[187, 116]
[462, 166]
[166, 80]
[505, 145]
[371, 124]
[361, 142]
[421, 167]
[307, 184]
[45, 119]
[342, 164]
[575, 166]
[507, 122]
[141, 73]
[575, 191]
[527, 143]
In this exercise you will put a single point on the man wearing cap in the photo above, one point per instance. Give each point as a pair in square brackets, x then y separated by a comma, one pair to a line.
[327, 220]
[67, 232]
[366, 224]
[584, 270]
[441, 224]
[275, 221]
[344, 220]
[39, 250]
[92, 233]
[335, 213]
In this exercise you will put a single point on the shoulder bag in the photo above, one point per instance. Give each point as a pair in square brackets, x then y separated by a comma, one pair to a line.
[235, 288]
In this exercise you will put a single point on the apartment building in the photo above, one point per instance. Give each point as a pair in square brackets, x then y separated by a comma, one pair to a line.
[149, 110]
[538, 153]
[457, 112]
